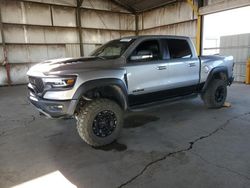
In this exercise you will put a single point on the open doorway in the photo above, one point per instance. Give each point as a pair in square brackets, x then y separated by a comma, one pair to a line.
[228, 33]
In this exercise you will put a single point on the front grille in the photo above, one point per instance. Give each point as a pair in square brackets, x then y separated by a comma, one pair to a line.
[37, 83]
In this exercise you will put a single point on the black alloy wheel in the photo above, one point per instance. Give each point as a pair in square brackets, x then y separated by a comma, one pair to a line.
[104, 123]
[219, 94]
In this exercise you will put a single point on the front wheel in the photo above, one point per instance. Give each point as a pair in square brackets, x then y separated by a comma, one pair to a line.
[99, 122]
[215, 94]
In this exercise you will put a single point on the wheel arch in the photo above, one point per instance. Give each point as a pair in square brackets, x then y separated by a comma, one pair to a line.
[216, 73]
[112, 88]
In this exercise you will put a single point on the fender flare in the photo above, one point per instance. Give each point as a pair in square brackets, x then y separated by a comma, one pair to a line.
[213, 72]
[118, 84]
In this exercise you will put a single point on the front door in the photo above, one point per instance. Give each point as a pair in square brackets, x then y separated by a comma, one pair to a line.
[146, 72]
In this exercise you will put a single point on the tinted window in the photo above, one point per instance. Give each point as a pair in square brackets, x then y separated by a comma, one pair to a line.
[179, 48]
[148, 47]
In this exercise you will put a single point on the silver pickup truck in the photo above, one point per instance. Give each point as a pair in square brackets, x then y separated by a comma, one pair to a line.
[126, 74]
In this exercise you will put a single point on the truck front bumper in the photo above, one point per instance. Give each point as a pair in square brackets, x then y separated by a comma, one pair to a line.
[53, 108]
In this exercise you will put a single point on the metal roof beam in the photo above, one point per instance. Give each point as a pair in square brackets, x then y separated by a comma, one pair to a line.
[158, 6]
[124, 6]
[79, 3]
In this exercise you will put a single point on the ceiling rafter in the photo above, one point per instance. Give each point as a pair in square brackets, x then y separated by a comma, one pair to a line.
[79, 3]
[160, 5]
[142, 5]
[124, 5]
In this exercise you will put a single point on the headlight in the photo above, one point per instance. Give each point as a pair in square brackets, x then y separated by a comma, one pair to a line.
[65, 82]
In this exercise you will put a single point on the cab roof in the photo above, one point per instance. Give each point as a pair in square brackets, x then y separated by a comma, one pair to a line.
[155, 37]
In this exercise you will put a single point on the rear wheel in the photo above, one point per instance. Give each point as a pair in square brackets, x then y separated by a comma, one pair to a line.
[99, 122]
[215, 94]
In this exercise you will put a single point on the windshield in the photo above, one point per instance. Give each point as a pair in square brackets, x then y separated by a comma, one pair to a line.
[113, 49]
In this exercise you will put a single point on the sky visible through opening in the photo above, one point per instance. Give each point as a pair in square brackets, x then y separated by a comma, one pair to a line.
[230, 22]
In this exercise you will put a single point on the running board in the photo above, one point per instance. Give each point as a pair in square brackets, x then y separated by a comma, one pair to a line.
[143, 107]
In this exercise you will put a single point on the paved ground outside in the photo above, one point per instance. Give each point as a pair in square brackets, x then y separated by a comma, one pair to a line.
[181, 145]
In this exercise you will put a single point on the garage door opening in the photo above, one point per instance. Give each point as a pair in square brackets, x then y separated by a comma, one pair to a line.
[228, 33]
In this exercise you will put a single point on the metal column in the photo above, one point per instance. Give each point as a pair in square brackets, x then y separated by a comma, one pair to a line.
[5, 61]
[79, 25]
[199, 26]
[136, 24]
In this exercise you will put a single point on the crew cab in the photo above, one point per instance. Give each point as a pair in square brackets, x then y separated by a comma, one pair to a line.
[126, 74]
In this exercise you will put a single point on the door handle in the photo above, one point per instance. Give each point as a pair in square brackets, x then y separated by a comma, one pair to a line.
[161, 67]
[191, 64]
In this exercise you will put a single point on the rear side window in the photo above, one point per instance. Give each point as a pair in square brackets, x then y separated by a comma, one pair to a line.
[179, 48]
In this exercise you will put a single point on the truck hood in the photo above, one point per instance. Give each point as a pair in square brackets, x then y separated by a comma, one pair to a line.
[71, 65]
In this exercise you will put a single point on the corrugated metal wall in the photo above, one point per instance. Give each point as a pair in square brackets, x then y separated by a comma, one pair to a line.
[35, 30]
[212, 6]
[173, 19]
[239, 47]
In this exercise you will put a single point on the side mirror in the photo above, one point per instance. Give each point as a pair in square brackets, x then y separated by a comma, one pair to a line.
[142, 55]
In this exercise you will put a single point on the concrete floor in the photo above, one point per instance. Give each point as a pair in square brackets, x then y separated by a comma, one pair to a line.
[181, 144]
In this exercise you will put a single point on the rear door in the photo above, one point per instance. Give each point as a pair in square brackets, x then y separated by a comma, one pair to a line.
[183, 66]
